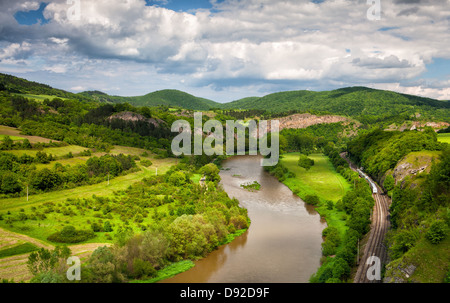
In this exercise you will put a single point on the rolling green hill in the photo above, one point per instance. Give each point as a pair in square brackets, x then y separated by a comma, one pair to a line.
[33, 90]
[351, 101]
[365, 104]
[169, 97]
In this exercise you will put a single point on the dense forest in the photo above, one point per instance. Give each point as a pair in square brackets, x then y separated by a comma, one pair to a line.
[377, 151]
[365, 104]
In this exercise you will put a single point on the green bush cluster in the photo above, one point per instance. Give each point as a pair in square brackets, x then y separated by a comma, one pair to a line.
[305, 162]
[70, 234]
[279, 171]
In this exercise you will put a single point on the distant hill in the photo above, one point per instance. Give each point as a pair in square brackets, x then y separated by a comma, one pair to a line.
[21, 86]
[169, 97]
[365, 104]
[351, 101]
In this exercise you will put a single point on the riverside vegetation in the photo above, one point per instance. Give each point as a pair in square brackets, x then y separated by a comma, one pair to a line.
[419, 214]
[153, 226]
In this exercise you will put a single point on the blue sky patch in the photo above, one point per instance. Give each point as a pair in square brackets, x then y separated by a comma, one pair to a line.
[32, 17]
[438, 69]
[182, 5]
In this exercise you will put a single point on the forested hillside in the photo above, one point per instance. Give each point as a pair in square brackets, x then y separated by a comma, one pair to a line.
[17, 85]
[168, 97]
[365, 104]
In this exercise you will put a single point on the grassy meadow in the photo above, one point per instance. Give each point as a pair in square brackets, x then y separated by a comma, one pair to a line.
[39, 98]
[321, 180]
[14, 138]
[445, 137]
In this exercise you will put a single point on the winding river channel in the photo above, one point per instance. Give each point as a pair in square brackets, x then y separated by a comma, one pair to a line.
[283, 243]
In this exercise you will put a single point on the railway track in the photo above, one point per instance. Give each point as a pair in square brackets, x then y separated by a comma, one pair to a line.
[375, 246]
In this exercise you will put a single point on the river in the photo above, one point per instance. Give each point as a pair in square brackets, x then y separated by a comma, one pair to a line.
[283, 243]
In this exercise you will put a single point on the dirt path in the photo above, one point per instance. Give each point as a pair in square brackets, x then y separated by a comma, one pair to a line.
[11, 131]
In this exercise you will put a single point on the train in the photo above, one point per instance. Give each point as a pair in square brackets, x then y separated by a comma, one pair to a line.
[373, 186]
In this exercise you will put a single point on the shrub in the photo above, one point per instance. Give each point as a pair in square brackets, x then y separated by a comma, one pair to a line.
[107, 227]
[70, 235]
[146, 162]
[305, 162]
[437, 232]
[312, 199]
[143, 269]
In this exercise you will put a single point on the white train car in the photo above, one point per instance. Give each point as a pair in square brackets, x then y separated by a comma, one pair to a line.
[373, 186]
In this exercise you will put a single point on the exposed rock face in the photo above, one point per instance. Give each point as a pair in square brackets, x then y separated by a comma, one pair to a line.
[412, 165]
[130, 116]
[305, 120]
[405, 169]
[400, 273]
[417, 125]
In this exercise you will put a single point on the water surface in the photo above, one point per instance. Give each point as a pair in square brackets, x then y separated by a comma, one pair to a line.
[283, 243]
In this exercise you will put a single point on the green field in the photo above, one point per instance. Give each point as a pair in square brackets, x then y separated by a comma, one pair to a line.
[39, 98]
[444, 137]
[99, 189]
[14, 138]
[18, 250]
[41, 229]
[55, 151]
[321, 179]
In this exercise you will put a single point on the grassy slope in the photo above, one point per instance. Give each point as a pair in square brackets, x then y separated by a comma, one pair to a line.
[431, 262]
[13, 266]
[100, 189]
[14, 138]
[445, 137]
[321, 179]
[39, 98]
[55, 151]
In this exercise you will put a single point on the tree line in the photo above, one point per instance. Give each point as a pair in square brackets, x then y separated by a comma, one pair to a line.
[19, 172]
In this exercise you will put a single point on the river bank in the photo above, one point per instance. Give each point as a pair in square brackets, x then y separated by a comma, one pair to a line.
[282, 244]
[327, 187]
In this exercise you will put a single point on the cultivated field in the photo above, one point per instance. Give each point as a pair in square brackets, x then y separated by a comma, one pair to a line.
[14, 132]
[19, 238]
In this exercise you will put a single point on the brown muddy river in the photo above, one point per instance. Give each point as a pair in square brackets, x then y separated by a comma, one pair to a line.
[283, 243]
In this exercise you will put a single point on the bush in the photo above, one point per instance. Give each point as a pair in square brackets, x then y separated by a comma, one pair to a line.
[146, 162]
[305, 162]
[143, 269]
[312, 199]
[48, 277]
[437, 232]
[70, 235]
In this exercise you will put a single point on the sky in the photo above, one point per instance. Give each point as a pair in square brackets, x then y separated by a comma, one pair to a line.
[225, 50]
